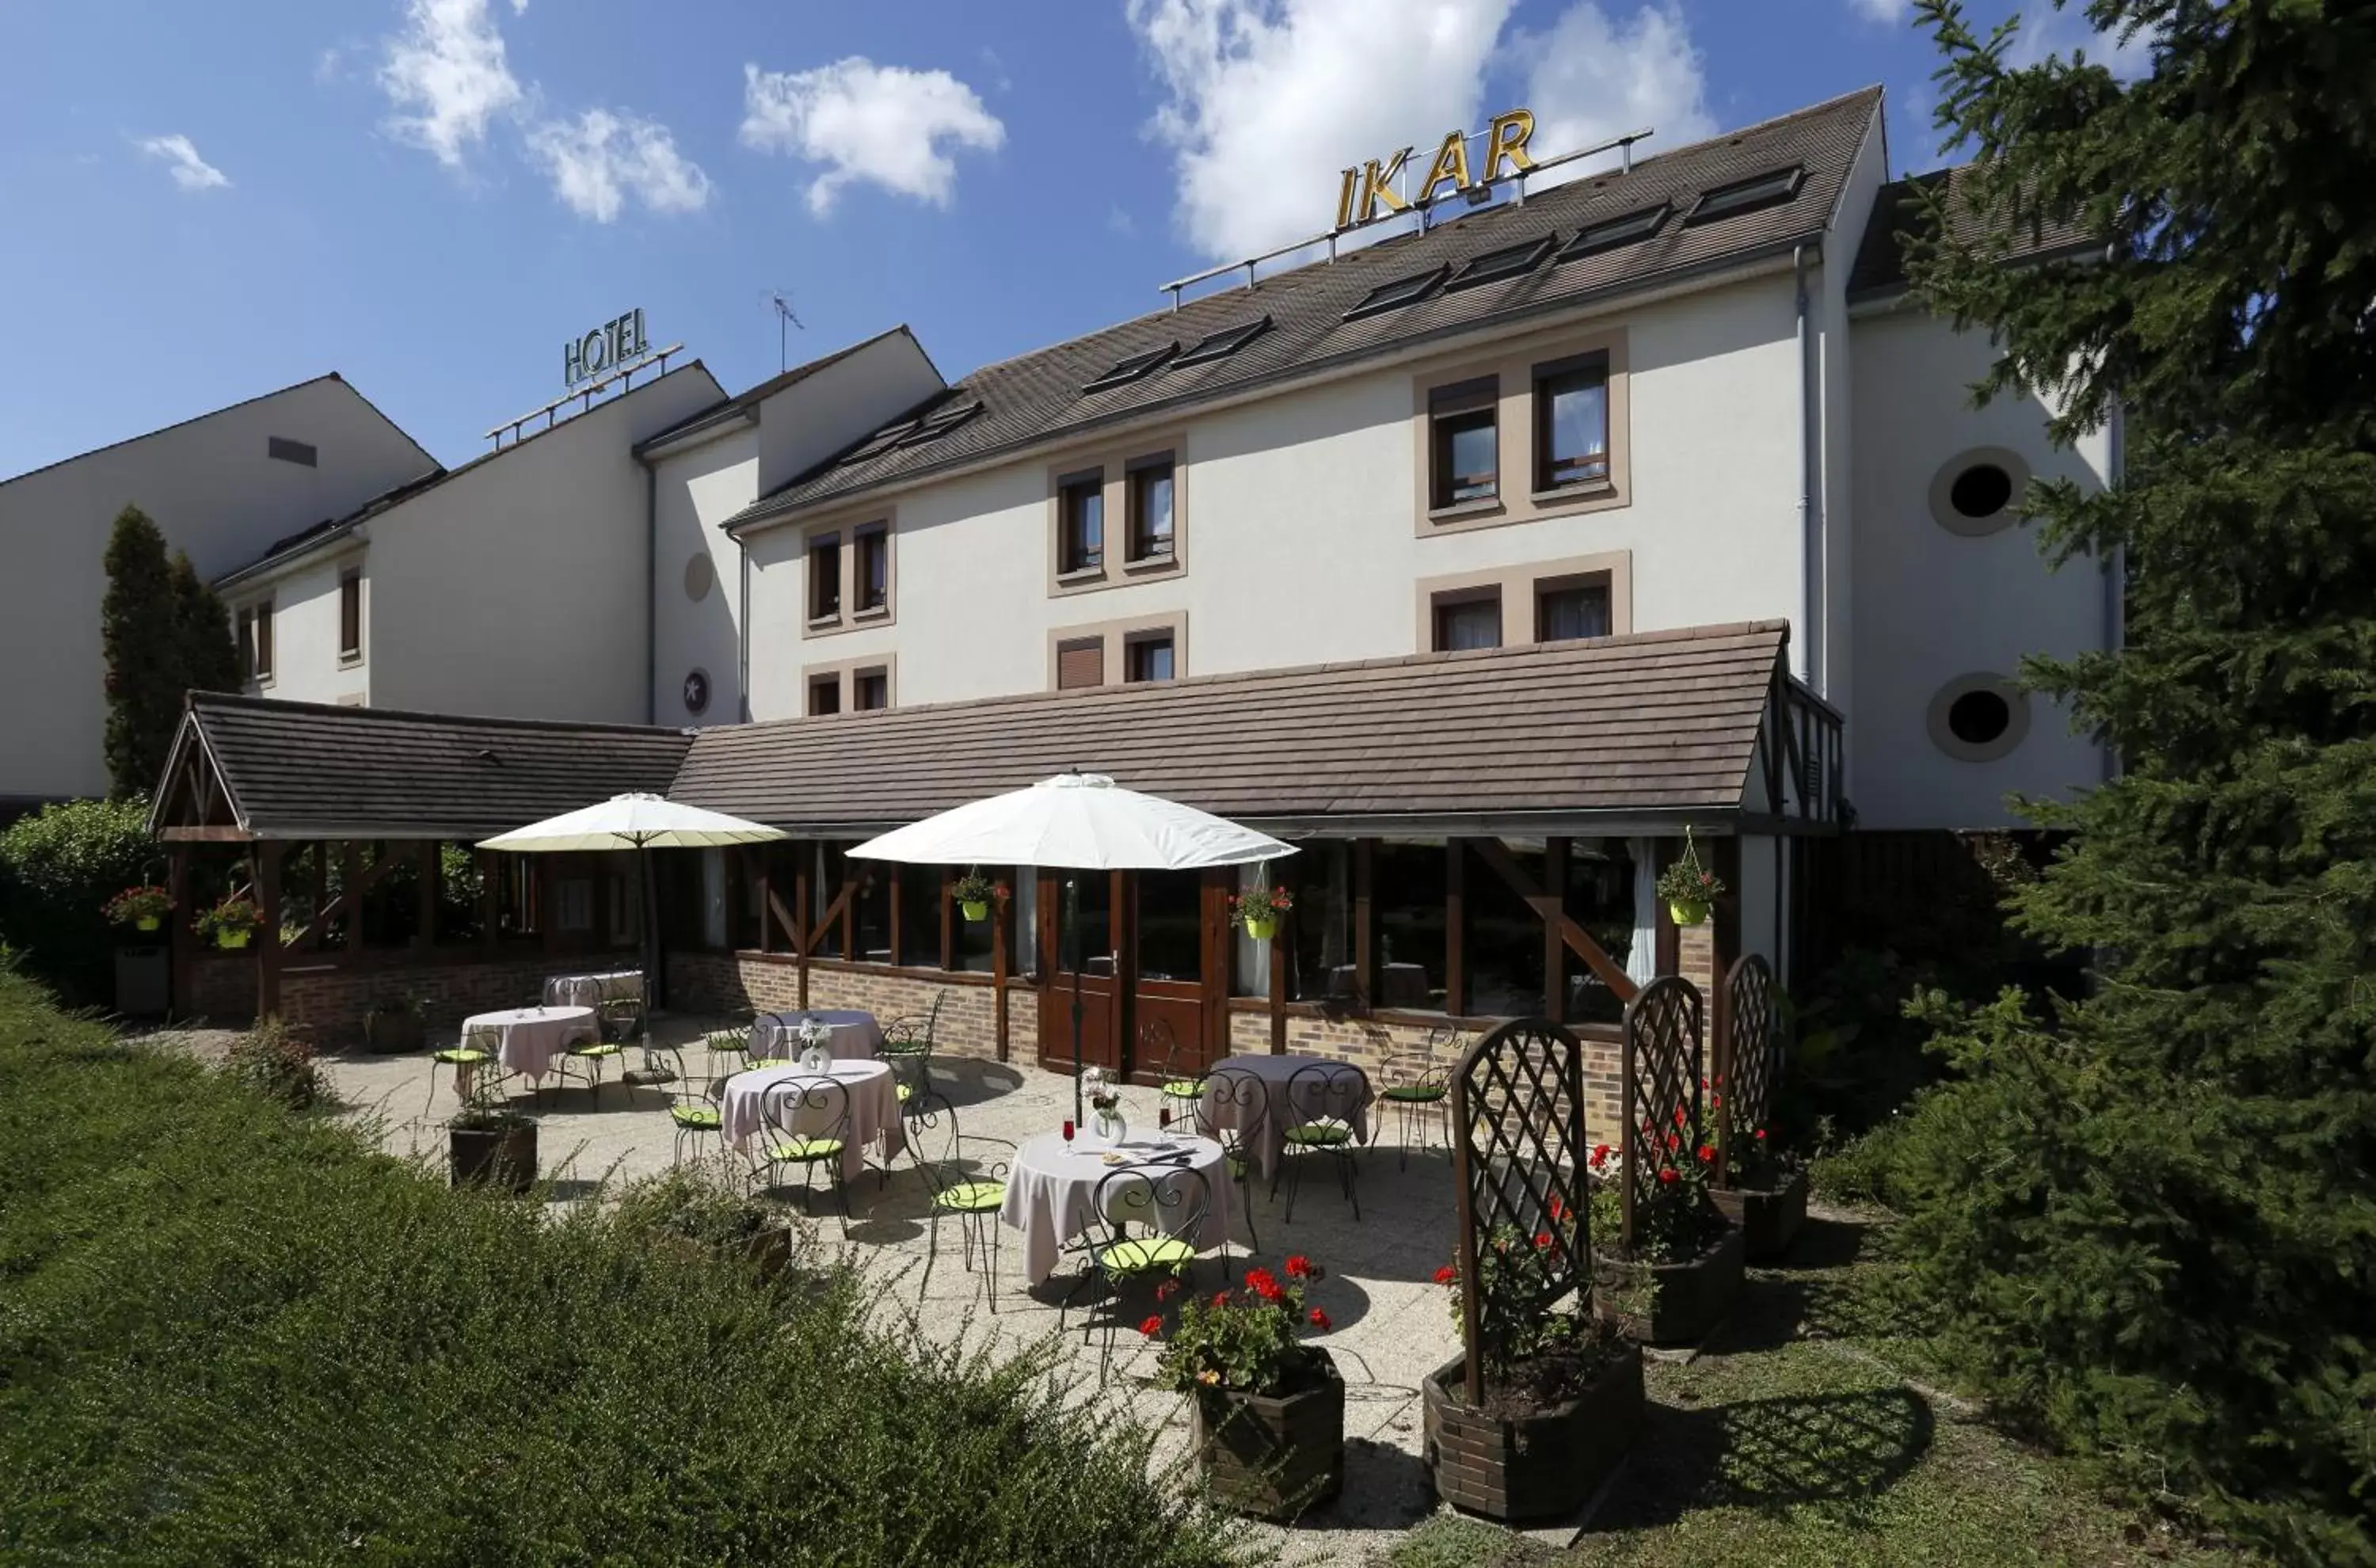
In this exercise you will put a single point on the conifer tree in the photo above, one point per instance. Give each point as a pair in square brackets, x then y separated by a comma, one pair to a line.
[210, 654]
[2150, 1220]
[140, 634]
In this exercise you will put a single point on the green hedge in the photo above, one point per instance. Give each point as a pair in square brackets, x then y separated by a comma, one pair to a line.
[57, 867]
[230, 1333]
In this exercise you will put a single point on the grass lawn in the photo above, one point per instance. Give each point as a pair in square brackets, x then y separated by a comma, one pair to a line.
[1809, 1435]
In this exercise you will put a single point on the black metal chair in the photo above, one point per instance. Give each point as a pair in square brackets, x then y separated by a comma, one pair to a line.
[1317, 1119]
[806, 1123]
[732, 1043]
[1182, 1084]
[475, 1053]
[1146, 1222]
[1416, 1086]
[907, 1046]
[1234, 1112]
[695, 1105]
[968, 1183]
[617, 1019]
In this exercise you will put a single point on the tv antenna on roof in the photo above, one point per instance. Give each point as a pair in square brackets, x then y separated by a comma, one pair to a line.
[782, 303]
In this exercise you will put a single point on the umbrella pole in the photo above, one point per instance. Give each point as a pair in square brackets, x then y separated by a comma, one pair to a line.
[655, 987]
[1073, 962]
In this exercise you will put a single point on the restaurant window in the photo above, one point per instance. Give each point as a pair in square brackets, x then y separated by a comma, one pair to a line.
[870, 689]
[1094, 946]
[1080, 663]
[1025, 959]
[1147, 657]
[970, 941]
[832, 866]
[1081, 523]
[623, 908]
[1566, 610]
[1571, 422]
[1464, 451]
[1599, 896]
[1502, 944]
[351, 614]
[869, 909]
[874, 568]
[1149, 492]
[919, 916]
[825, 695]
[1471, 618]
[1406, 902]
[1170, 925]
[824, 577]
[573, 904]
[1317, 944]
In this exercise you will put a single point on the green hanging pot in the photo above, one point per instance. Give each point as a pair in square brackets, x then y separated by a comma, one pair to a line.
[1262, 928]
[974, 909]
[231, 938]
[1688, 911]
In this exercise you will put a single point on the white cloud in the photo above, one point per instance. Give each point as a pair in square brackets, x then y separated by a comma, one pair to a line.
[885, 125]
[190, 172]
[1878, 10]
[599, 159]
[2045, 30]
[448, 78]
[1591, 78]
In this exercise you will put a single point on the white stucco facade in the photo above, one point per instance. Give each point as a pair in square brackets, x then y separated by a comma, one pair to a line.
[215, 490]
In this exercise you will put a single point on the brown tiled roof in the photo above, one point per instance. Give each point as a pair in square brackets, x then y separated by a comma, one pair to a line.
[1038, 397]
[1656, 724]
[1879, 268]
[298, 770]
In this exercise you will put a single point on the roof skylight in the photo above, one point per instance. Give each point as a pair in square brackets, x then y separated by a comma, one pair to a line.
[933, 426]
[1611, 232]
[1508, 262]
[1746, 195]
[1223, 344]
[1135, 367]
[1398, 293]
[882, 441]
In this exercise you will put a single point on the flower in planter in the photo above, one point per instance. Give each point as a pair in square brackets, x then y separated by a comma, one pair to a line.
[235, 917]
[1318, 1320]
[143, 906]
[1261, 902]
[1687, 886]
[974, 887]
[1244, 1340]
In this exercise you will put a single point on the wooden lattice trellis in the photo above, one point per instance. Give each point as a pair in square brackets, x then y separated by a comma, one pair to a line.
[1749, 1056]
[1517, 1112]
[1661, 1073]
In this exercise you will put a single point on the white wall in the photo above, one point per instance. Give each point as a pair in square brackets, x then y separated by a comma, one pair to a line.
[305, 662]
[1933, 605]
[1834, 453]
[1298, 524]
[214, 493]
[1761, 877]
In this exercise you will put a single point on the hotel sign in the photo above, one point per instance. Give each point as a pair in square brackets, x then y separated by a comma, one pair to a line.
[608, 346]
[1367, 192]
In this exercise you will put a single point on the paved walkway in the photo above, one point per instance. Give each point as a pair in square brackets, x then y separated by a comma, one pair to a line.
[1391, 1323]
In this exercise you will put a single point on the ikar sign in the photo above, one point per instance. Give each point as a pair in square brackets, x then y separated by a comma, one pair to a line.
[1367, 192]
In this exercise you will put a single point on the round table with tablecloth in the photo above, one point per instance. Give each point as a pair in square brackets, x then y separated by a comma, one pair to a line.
[1051, 1189]
[527, 1038]
[873, 1106]
[1313, 1100]
[593, 990]
[852, 1035]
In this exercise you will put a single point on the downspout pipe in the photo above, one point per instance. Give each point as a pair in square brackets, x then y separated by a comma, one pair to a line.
[651, 594]
[742, 630]
[1811, 542]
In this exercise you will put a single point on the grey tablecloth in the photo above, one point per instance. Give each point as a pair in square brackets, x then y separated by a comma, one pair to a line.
[1050, 1190]
[592, 991]
[855, 1035]
[1275, 1072]
[873, 1108]
[530, 1037]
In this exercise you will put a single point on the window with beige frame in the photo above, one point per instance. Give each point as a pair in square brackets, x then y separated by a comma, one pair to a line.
[1537, 432]
[1536, 601]
[852, 573]
[1113, 653]
[848, 685]
[1117, 516]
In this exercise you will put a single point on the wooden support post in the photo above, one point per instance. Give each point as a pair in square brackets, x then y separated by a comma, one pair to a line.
[432, 863]
[766, 901]
[800, 929]
[1724, 926]
[1547, 907]
[177, 928]
[898, 914]
[1278, 993]
[1456, 926]
[1365, 944]
[350, 894]
[548, 926]
[268, 939]
[490, 899]
[948, 921]
[1554, 944]
[999, 917]
[320, 857]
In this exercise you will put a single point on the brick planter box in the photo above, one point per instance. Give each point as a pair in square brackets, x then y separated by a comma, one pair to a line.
[1768, 1221]
[1273, 1455]
[505, 1156]
[1668, 1303]
[1539, 1467]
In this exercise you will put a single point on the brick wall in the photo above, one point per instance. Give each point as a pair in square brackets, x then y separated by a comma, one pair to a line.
[329, 1002]
[221, 987]
[740, 983]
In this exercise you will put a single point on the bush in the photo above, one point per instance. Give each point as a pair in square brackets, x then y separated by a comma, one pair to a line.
[231, 1336]
[274, 1063]
[58, 867]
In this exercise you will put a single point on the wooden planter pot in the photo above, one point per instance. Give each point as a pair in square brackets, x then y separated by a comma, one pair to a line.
[1539, 1466]
[388, 1032]
[503, 1156]
[1768, 1221]
[1668, 1303]
[1274, 1456]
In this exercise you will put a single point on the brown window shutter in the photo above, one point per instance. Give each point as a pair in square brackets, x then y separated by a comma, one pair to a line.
[1080, 663]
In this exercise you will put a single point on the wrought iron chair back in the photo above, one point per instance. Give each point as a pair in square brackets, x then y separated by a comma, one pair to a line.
[1162, 1200]
[1660, 1071]
[799, 1109]
[1748, 1054]
[621, 1018]
[1326, 1094]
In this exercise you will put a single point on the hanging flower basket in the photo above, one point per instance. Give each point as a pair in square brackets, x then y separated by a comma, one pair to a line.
[142, 908]
[1259, 910]
[1687, 886]
[229, 924]
[975, 893]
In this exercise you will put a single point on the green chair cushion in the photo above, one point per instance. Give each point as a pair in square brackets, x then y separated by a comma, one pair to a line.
[971, 1198]
[1240, 1167]
[1138, 1255]
[802, 1151]
[903, 1047]
[1183, 1088]
[1320, 1135]
[463, 1056]
[701, 1117]
[1416, 1094]
[906, 1093]
[730, 1043]
[596, 1048]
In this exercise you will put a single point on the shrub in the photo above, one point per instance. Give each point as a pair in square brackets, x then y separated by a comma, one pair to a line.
[231, 1336]
[272, 1060]
[58, 869]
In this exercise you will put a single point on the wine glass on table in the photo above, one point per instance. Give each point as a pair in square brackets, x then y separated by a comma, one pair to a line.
[1163, 1120]
[1068, 1134]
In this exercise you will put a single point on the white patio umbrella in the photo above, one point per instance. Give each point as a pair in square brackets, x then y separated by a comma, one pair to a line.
[639, 822]
[1076, 822]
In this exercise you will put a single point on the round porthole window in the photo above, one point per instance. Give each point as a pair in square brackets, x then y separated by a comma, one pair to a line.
[1978, 718]
[700, 577]
[1977, 492]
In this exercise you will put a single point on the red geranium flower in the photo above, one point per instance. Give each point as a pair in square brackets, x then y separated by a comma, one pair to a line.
[1446, 1274]
[1706, 1153]
[1543, 1239]
[1168, 1290]
[1715, 1102]
[1220, 1298]
[1151, 1328]
[1666, 1173]
[1298, 1266]
[1263, 1283]
[1319, 1320]
[1673, 1142]
[1600, 1153]
[1679, 1116]
[1557, 1208]
[1761, 1134]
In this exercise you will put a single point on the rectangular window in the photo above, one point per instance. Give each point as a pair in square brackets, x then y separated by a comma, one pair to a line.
[874, 546]
[573, 899]
[825, 695]
[1081, 523]
[1563, 611]
[245, 637]
[1464, 455]
[1469, 619]
[253, 631]
[282, 450]
[1150, 510]
[1600, 897]
[1148, 659]
[870, 689]
[351, 614]
[1319, 930]
[824, 577]
[1572, 423]
[919, 916]
[1408, 904]
[869, 909]
[1080, 663]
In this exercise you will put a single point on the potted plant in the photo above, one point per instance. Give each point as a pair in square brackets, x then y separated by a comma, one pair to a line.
[230, 923]
[487, 1141]
[1687, 886]
[1679, 1272]
[697, 1211]
[975, 893]
[393, 1023]
[142, 908]
[1562, 1400]
[1267, 1410]
[1260, 908]
[1765, 1192]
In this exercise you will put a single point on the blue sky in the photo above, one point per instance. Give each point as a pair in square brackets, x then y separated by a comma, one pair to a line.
[205, 202]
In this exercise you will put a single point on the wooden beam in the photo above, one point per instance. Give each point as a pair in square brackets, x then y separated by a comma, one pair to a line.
[431, 857]
[1613, 975]
[1456, 926]
[267, 941]
[1278, 994]
[837, 913]
[177, 927]
[1365, 945]
[491, 898]
[1724, 922]
[353, 885]
[948, 921]
[801, 930]
[998, 919]
[774, 911]
[768, 906]
[206, 835]
[1555, 949]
